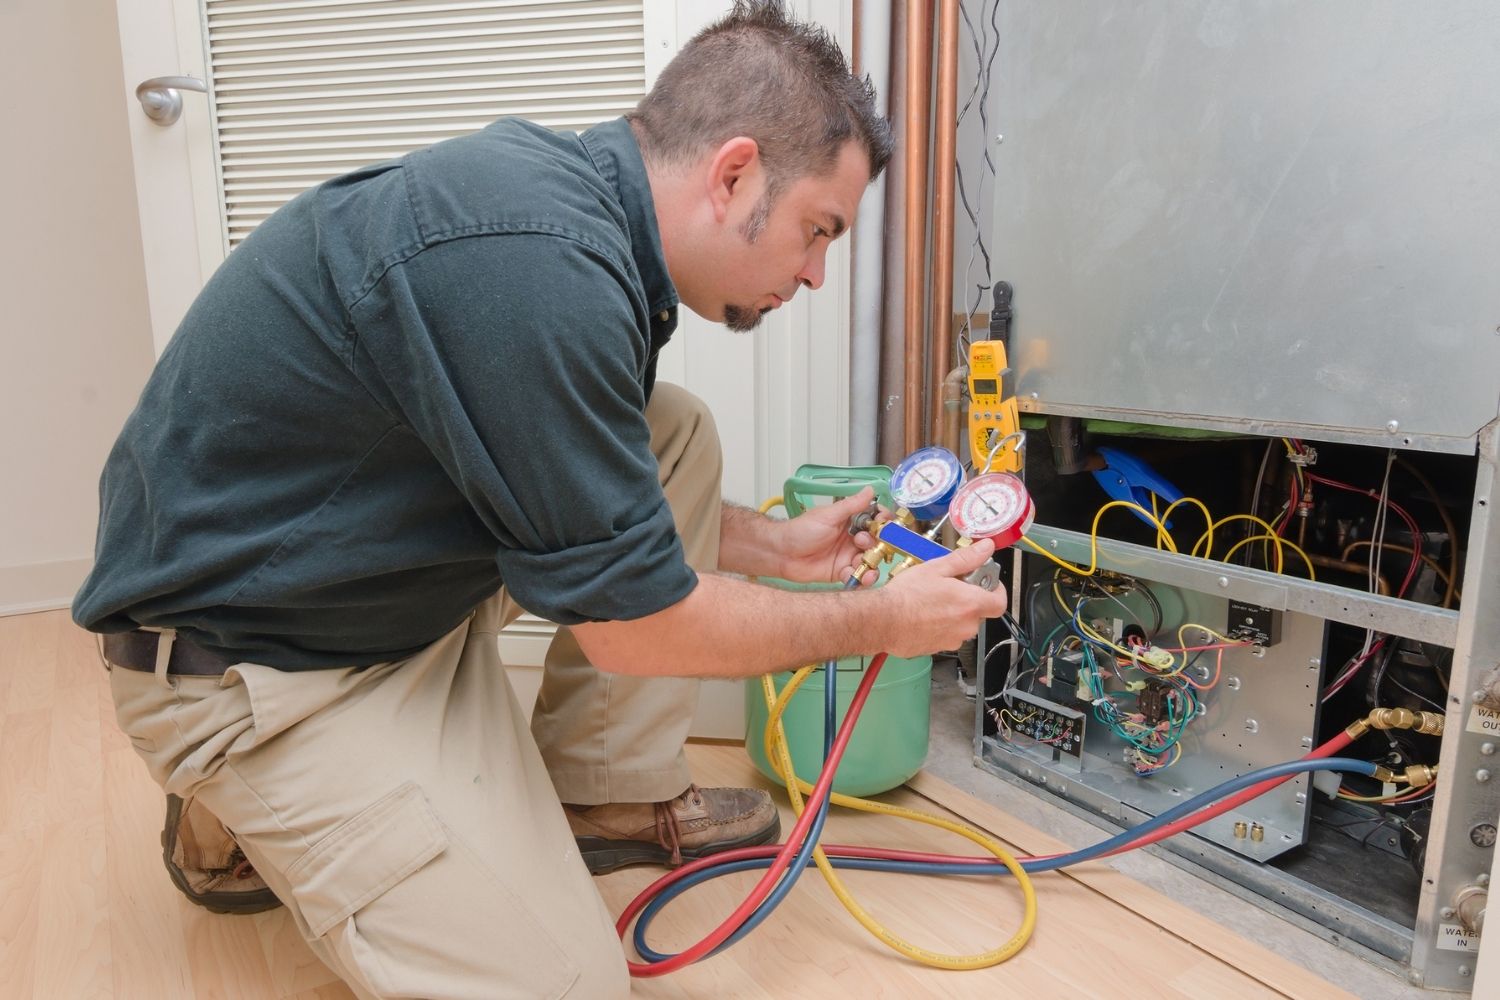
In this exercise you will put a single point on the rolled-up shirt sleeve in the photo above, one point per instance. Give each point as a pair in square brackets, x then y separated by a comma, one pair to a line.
[536, 410]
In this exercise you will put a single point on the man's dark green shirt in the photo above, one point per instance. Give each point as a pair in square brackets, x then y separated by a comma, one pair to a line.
[410, 385]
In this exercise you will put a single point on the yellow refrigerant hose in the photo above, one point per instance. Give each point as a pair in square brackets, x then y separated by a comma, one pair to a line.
[779, 754]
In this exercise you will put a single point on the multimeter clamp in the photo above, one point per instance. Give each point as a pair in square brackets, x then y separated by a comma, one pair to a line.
[993, 414]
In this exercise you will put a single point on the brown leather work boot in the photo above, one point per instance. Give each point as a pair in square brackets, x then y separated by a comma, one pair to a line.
[206, 863]
[699, 822]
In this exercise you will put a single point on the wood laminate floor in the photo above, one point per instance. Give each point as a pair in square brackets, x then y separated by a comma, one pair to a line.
[87, 911]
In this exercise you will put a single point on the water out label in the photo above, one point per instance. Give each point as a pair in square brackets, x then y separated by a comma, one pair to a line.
[1452, 937]
[1484, 721]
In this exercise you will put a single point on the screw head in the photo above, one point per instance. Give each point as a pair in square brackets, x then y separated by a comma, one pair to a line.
[1251, 726]
[1414, 977]
[1464, 971]
[1481, 775]
[1447, 913]
[1223, 581]
[1483, 879]
[1488, 749]
[1001, 138]
[1392, 426]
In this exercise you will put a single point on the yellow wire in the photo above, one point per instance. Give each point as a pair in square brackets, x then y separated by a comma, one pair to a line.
[780, 757]
[1162, 536]
[1403, 793]
[1208, 535]
[1311, 573]
[1208, 517]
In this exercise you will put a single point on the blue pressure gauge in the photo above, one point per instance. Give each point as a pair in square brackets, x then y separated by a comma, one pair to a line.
[925, 481]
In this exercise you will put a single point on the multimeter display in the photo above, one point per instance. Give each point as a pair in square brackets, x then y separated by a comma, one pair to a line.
[986, 387]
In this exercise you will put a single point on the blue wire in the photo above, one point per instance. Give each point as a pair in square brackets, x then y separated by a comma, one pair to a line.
[1221, 791]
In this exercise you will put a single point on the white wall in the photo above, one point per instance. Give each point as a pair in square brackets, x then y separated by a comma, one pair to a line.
[75, 339]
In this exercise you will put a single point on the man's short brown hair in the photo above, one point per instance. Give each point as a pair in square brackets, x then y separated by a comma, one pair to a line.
[761, 73]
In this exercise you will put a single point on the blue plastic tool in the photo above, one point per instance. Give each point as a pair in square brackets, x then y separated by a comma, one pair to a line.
[910, 543]
[1126, 477]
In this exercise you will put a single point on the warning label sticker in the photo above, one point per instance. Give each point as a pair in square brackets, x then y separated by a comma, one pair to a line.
[1484, 721]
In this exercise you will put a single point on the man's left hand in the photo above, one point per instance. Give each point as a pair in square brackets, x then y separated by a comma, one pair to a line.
[816, 546]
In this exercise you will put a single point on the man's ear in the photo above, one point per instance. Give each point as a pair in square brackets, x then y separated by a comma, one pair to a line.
[736, 161]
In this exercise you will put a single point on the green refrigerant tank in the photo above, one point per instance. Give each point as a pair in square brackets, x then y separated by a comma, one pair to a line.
[889, 743]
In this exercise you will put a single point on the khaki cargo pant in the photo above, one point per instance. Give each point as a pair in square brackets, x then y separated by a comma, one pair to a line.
[404, 813]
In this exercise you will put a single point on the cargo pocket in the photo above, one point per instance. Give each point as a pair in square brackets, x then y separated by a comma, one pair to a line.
[397, 894]
[364, 856]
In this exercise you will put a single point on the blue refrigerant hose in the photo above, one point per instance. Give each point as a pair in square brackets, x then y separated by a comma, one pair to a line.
[1121, 840]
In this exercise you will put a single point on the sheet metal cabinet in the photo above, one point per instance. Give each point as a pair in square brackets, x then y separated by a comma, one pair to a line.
[1276, 218]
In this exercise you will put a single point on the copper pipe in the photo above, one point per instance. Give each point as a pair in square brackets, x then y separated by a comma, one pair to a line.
[858, 15]
[918, 59]
[945, 131]
[1442, 574]
[1382, 586]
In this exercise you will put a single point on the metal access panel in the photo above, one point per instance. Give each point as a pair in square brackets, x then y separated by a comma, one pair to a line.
[1261, 709]
[1274, 217]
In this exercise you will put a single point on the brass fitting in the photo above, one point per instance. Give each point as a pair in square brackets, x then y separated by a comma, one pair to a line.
[873, 557]
[1428, 723]
[1416, 775]
[881, 551]
[1419, 775]
[1470, 904]
[904, 565]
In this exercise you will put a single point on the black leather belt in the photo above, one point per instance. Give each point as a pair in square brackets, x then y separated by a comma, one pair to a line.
[137, 651]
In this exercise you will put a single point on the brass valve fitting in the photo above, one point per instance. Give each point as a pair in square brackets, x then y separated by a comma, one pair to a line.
[1416, 775]
[880, 551]
[1428, 723]
[1419, 775]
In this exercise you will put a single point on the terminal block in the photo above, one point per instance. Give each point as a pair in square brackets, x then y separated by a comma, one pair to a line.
[1047, 722]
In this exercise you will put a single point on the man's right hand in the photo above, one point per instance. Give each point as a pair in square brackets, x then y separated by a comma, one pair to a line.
[939, 608]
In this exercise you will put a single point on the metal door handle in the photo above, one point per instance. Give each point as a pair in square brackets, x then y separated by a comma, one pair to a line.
[161, 99]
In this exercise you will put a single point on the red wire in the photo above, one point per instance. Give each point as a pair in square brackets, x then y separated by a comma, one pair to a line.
[1411, 525]
[783, 855]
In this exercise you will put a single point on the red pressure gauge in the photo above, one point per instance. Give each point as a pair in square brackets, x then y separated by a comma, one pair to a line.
[994, 506]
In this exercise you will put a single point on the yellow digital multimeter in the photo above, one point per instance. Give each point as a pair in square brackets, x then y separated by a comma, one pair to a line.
[993, 415]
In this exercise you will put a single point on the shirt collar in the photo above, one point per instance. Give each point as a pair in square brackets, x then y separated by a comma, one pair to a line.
[617, 157]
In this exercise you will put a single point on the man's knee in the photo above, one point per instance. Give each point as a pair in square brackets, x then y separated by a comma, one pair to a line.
[683, 432]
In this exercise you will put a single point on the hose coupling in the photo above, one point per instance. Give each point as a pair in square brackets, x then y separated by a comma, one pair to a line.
[1427, 723]
[1420, 775]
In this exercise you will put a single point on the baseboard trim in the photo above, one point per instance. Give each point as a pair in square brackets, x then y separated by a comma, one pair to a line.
[37, 587]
